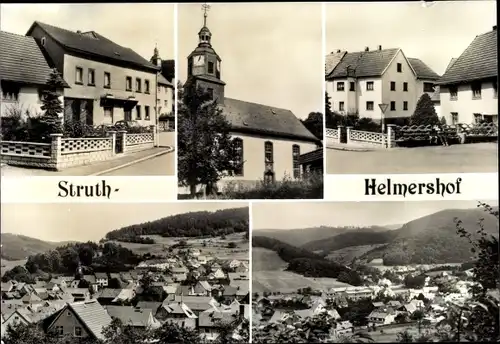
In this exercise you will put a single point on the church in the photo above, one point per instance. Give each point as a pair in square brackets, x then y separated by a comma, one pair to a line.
[271, 140]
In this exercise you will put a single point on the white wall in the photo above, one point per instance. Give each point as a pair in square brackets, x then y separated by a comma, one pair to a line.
[28, 99]
[466, 106]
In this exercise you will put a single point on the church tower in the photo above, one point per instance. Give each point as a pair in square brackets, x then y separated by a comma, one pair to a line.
[156, 59]
[204, 65]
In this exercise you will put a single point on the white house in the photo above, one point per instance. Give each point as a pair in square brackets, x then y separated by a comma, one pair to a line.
[468, 88]
[358, 82]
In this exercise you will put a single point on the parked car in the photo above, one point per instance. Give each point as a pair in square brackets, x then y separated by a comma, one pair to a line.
[124, 125]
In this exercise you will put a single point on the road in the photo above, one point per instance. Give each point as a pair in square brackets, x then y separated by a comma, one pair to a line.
[163, 165]
[466, 158]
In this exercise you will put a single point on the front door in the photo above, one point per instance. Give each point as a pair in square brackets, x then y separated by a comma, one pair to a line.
[128, 115]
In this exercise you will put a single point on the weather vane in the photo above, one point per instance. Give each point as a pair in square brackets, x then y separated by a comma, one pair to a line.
[205, 8]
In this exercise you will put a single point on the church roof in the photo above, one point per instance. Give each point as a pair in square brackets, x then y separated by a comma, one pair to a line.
[263, 119]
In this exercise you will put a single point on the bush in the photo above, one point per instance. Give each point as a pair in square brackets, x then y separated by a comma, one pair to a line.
[22, 124]
[307, 188]
[352, 120]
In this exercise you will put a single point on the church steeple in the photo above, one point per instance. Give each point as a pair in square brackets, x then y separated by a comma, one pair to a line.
[204, 65]
[156, 59]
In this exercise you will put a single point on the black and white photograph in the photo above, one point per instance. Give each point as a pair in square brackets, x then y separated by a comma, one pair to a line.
[129, 273]
[250, 121]
[389, 272]
[86, 94]
[410, 91]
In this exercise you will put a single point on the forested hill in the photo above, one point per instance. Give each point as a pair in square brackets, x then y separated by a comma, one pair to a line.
[307, 263]
[192, 224]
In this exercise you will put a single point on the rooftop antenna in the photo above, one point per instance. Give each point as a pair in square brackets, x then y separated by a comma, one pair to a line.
[205, 8]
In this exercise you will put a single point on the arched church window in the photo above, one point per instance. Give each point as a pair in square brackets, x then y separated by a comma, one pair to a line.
[295, 159]
[269, 155]
[238, 159]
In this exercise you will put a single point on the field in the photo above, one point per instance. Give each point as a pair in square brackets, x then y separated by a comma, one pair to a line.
[383, 268]
[9, 264]
[347, 254]
[390, 334]
[268, 275]
[214, 246]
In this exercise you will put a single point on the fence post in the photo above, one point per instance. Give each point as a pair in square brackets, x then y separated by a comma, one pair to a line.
[156, 142]
[391, 136]
[339, 134]
[55, 150]
[112, 133]
[123, 137]
[348, 134]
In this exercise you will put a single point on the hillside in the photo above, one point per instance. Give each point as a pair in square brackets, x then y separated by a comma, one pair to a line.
[264, 259]
[301, 236]
[349, 239]
[433, 239]
[19, 247]
[306, 263]
[192, 224]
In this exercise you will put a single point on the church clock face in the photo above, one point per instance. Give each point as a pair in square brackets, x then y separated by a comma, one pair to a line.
[198, 61]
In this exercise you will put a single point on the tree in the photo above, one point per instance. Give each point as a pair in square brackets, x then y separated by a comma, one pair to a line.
[118, 333]
[425, 113]
[51, 104]
[314, 123]
[172, 333]
[206, 149]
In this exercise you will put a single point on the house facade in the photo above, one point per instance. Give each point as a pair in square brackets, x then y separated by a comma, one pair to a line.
[469, 87]
[165, 93]
[358, 82]
[107, 82]
[24, 72]
[269, 139]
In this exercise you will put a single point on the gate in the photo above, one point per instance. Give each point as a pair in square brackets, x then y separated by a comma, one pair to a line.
[343, 135]
[119, 143]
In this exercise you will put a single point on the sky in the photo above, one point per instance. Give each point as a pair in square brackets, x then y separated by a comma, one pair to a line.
[271, 53]
[85, 221]
[434, 34]
[286, 215]
[135, 26]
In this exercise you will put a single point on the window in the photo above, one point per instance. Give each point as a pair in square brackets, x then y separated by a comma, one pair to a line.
[268, 155]
[238, 154]
[158, 89]
[166, 102]
[68, 314]
[108, 118]
[476, 90]
[369, 106]
[210, 67]
[393, 86]
[43, 40]
[78, 331]
[454, 118]
[428, 87]
[107, 80]
[79, 75]
[352, 86]
[369, 85]
[405, 106]
[295, 157]
[10, 91]
[393, 106]
[146, 112]
[59, 330]
[477, 118]
[128, 83]
[399, 67]
[405, 87]
[453, 92]
[340, 86]
[138, 84]
[91, 77]
[138, 112]
[341, 106]
[210, 92]
[146, 86]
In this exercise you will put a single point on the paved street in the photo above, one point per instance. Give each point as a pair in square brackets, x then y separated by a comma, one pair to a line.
[467, 158]
[163, 165]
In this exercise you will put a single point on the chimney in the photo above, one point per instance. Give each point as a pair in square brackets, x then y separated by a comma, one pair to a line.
[494, 28]
[379, 47]
[367, 49]
[338, 50]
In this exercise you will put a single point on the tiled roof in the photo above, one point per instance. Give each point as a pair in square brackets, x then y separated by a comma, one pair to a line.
[478, 61]
[422, 70]
[180, 308]
[332, 60]
[93, 43]
[92, 315]
[139, 317]
[452, 61]
[163, 81]
[21, 60]
[196, 303]
[109, 293]
[153, 305]
[364, 63]
[252, 117]
[215, 318]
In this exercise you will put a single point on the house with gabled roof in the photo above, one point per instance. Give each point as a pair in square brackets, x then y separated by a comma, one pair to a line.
[179, 313]
[107, 81]
[358, 82]
[469, 86]
[81, 319]
[24, 71]
[142, 318]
